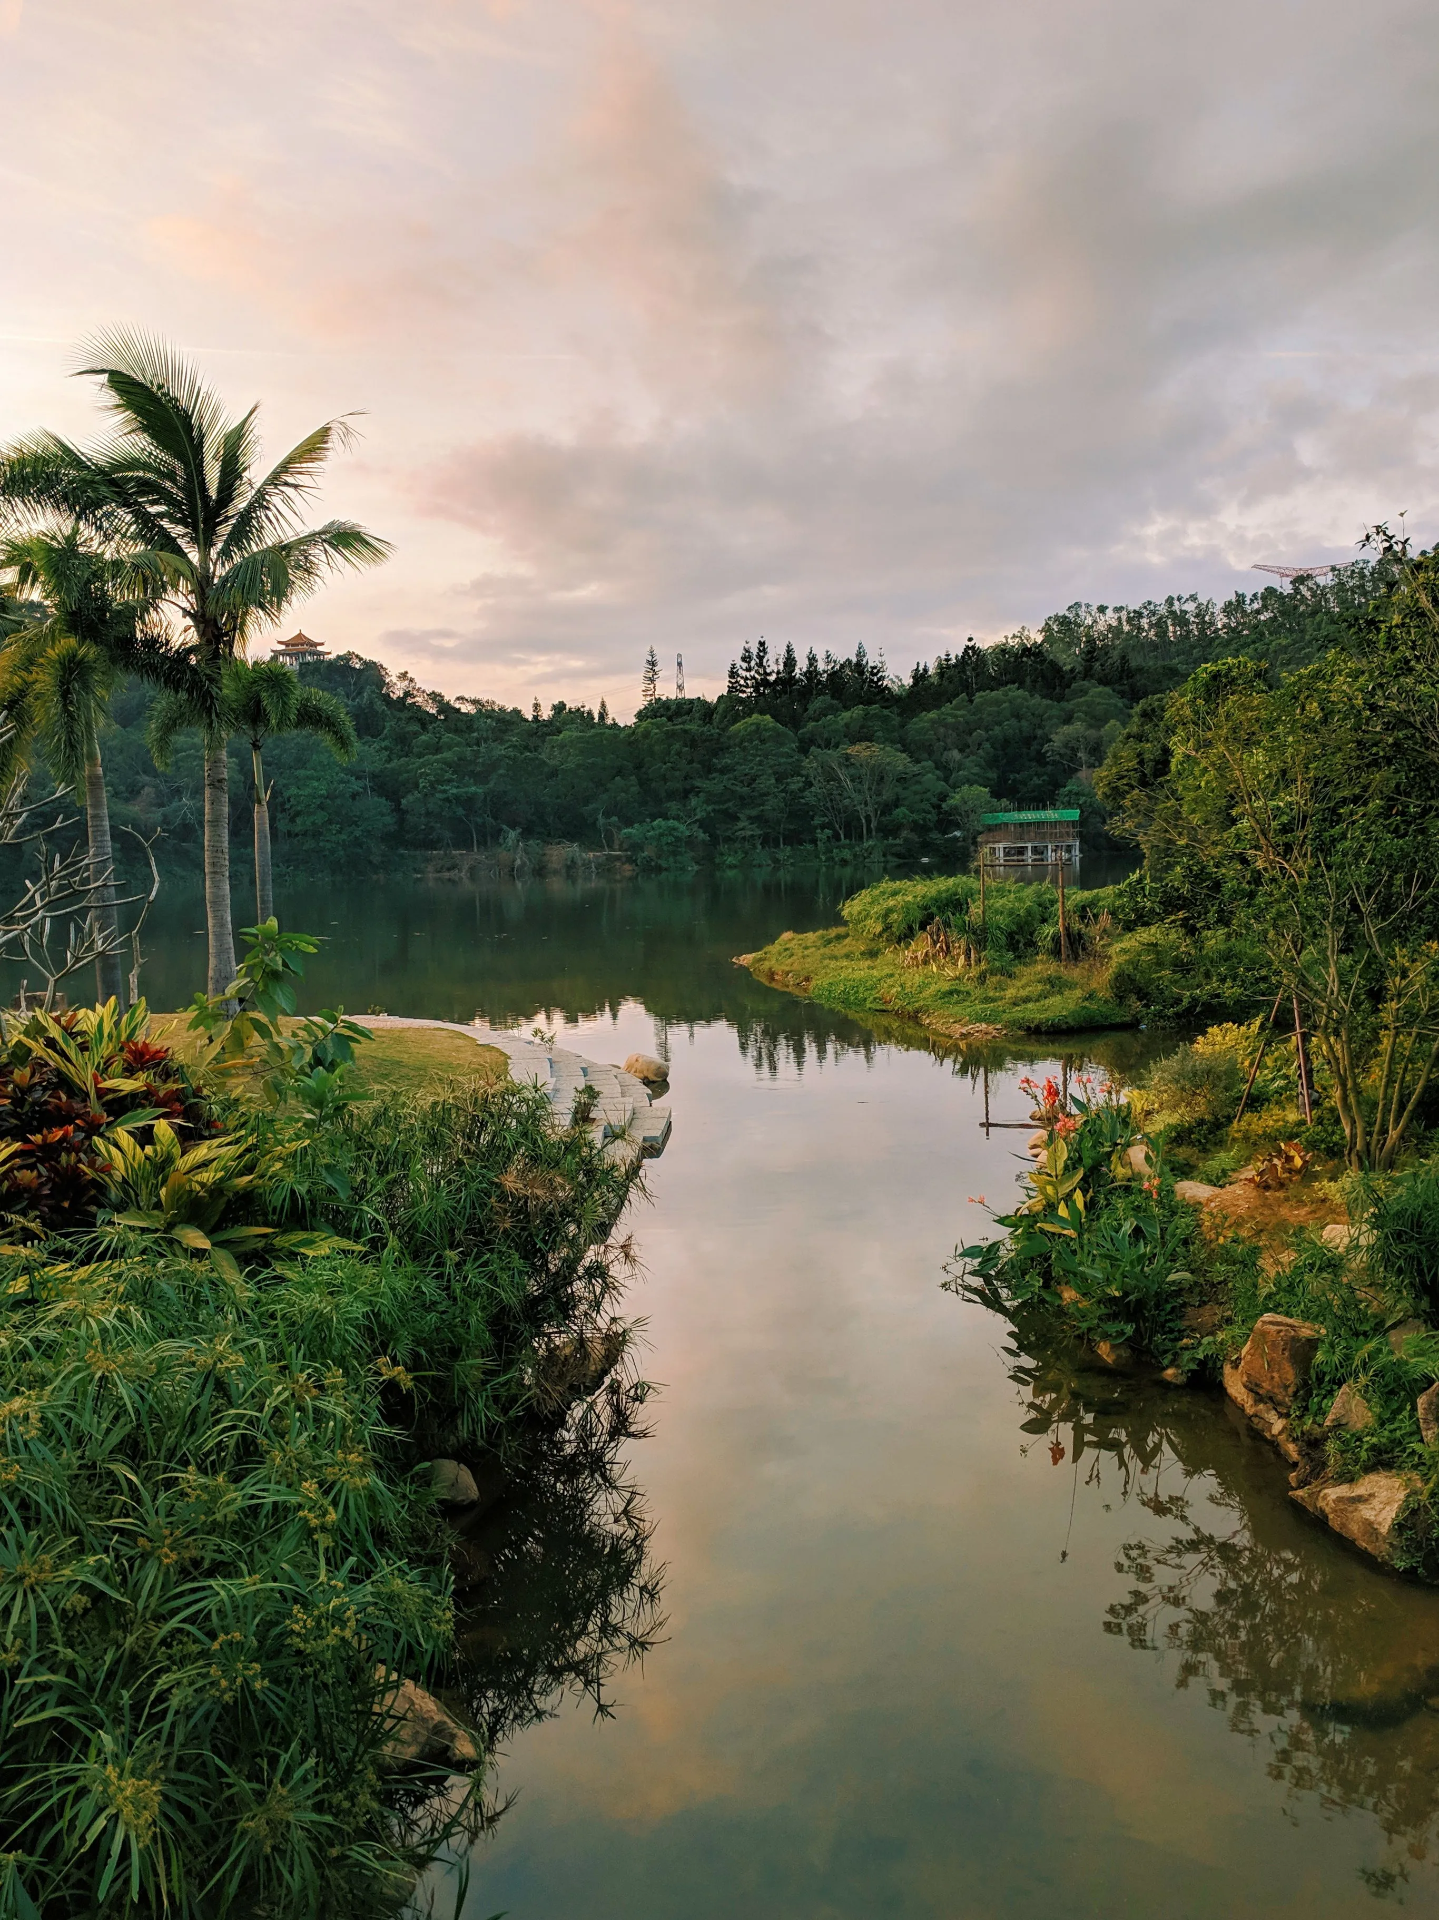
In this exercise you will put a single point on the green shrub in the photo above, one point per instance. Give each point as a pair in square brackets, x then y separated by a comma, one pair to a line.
[894, 911]
[1402, 1227]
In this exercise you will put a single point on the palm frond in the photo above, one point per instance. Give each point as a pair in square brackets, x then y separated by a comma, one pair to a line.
[171, 715]
[269, 513]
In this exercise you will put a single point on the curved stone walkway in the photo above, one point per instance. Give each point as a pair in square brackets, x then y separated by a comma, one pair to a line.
[625, 1119]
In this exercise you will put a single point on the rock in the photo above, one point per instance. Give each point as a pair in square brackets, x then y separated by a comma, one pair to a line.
[1244, 1174]
[1113, 1355]
[1363, 1510]
[453, 1484]
[419, 1729]
[1406, 1328]
[571, 1367]
[1138, 1159]
[1427, 1408]
[1195, 1192]
[1262, 1415]
[1203, 1320]
[1277, 1358]
[1038, 1145]
[644, 1066]
[1174, 1375]
[1350, 1410]
[1337, 1236]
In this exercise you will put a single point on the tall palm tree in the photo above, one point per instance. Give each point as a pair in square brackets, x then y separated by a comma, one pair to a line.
[73, 625]
[179, 485]
[258, 700]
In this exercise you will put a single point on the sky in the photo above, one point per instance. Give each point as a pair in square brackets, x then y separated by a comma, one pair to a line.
[675, 323]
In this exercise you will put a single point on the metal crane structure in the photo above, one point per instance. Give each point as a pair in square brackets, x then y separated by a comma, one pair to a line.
[1295, 573]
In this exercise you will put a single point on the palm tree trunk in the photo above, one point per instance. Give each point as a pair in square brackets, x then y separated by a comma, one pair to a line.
[218, 921]
[109, 972]
[264, 890]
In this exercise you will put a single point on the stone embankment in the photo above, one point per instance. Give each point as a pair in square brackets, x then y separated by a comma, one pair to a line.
[1270, 1376]
[623, 1114]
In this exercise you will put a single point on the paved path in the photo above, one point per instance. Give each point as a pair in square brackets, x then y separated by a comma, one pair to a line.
[624, 1118]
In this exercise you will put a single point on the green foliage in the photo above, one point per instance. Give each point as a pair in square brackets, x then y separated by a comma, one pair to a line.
[71, 1086]
[246, 1026]
[213, 1542]
[1092, 1240]
[894, 911]
[1401, 1229]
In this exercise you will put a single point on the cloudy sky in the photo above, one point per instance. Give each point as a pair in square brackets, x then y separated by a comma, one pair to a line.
[676, 322]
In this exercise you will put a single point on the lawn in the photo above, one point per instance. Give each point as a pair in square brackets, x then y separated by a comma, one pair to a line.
[399, 1060]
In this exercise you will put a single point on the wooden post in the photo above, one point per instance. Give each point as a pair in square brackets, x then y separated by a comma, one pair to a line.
[1306, 1099]
[1254, 1070]
[983, 911]
[1063, 931]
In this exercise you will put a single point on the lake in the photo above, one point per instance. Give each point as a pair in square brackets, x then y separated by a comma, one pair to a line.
[954, 1626]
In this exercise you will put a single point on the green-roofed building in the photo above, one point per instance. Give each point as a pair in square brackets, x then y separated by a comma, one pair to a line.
[1030, 837]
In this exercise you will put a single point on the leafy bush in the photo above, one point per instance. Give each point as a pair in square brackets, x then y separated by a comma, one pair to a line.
[1402, 1231]
[1173, 976]
[67, 1083]
[894, 911]
[1109, 1248]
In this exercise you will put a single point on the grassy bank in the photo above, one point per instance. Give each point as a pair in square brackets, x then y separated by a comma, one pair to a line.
[853, 974]
[931, 951]
[234, 1335]
[965, 965]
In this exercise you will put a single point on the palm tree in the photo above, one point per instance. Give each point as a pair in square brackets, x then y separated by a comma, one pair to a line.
[258, 700]
[73, 624]
[178, 485]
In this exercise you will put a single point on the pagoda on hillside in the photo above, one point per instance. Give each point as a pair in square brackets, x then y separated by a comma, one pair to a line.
[298, 650]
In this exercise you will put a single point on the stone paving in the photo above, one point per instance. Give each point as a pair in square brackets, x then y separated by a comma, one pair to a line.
[624, 1117]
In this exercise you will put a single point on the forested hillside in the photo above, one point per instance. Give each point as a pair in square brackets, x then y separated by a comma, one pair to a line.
[823, 757]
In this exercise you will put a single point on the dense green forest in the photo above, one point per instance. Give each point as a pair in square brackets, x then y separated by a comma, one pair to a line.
[828, 757]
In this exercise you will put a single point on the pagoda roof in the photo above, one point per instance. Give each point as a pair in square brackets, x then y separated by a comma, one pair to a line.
[300, 642]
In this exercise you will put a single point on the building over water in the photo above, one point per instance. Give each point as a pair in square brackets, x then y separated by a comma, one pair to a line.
[1037, 837]
[298, 650]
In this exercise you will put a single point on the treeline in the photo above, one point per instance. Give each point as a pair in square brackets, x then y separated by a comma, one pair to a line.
[828, 757]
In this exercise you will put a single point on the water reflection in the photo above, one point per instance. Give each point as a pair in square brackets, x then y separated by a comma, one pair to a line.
[557, 1587]
[1328, 1664]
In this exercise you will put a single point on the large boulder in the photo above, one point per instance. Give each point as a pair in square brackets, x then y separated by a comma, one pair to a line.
[1427, 1408]
[1195, 1192]
[1277, 1359]
[419, 1730]
[1364, 1510]
[1269, 1374]
[453, 1483]
[644, 1066]
[1350, 1410]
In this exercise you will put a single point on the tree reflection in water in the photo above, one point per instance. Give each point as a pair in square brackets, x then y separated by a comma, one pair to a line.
[1304, 1646]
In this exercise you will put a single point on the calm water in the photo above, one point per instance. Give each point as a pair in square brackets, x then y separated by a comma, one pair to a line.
[955, 1628]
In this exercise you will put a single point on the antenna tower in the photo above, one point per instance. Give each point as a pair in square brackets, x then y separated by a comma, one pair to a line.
[679, 676]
